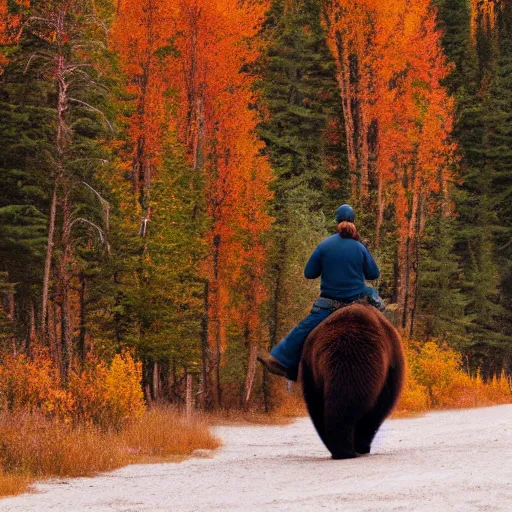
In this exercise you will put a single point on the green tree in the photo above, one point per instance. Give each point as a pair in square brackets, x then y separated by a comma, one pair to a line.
[481, 75]
[299, 97]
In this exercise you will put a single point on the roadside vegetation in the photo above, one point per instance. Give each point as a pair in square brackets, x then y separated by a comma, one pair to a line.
[97, 422]
[436, 379]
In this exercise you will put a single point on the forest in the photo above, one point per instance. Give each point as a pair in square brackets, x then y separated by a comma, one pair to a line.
[168, 166]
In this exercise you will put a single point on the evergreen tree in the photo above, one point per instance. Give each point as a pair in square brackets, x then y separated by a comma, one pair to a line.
[26, 130]
[481, 75]
[299, 97]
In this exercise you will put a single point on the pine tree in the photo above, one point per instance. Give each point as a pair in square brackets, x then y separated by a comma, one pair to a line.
[26, 130]
[299, 99]
[480, 50]
[53, 97]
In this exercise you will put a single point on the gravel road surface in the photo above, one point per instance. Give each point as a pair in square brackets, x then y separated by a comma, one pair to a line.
[445, 461]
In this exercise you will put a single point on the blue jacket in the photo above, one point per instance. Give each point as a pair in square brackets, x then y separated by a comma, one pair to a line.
[344, 264]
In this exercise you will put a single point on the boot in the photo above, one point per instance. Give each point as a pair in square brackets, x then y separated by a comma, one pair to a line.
[273, 365]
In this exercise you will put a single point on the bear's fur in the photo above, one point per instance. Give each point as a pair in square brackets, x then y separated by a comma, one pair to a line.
[352, 375]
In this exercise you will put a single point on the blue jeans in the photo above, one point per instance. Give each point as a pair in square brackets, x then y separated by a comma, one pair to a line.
[289, 350]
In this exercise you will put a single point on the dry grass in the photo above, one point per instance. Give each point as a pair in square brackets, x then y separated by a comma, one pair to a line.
[33, 447]
[11, 484]
[164, 434]
[287, 404]
[237, 417]
[293, 405]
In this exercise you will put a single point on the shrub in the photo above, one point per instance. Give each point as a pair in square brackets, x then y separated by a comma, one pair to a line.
[435, 380]
[108, 396]
[105, 395]
[33, 384]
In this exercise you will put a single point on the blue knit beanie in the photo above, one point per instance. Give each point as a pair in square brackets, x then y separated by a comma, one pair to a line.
[345, 213]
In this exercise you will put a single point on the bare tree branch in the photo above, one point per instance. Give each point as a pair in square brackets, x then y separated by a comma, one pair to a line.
[94, 109]
[91, 81]
[34, 56]
[100, 232]
[104, 204]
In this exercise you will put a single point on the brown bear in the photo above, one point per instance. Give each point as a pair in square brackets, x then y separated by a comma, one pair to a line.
[352, 375]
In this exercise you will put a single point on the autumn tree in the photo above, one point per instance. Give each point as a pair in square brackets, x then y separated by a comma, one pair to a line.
[185, 67]
[397, 119]
[218, 127]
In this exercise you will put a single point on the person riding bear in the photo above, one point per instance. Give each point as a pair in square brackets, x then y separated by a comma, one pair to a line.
[344, 264]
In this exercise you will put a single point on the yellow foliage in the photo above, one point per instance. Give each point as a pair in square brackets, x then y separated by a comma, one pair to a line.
[109, 396]
[435, 380]
[122, 388]
[414, 397]
[105, 395]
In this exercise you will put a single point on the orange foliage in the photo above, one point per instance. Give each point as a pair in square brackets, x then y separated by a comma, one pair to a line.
[483, 15]
[218, 128]
[390, 68]
[108, 396]
[435, 380]
[184, 62]
[142, 34]
[9, 26]
[33, 384]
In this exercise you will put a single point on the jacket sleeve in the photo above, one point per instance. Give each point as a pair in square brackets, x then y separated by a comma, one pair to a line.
[370, 268]
[313, 267]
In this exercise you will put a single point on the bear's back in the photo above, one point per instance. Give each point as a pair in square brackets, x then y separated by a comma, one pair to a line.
[353, 349]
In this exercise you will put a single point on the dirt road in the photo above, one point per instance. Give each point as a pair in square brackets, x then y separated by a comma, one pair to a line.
[446, 461]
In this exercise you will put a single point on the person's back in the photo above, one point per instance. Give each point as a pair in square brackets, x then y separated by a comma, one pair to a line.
[343, 263]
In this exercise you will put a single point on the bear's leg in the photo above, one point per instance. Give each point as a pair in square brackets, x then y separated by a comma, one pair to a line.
[340, 421]
[370, 423]
[314, 400]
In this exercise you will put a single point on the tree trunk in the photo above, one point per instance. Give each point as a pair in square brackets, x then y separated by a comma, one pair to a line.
[252, 345]
[53, 334]
[205, 387]
[48, 262]
[408, 264]
[419, 226]
[83, 329]
[156, 381]
[64, 279]
[274, 319]
[32, 335]
[343, 78]
[364, 182]
[380, 210]
[189, 397]
[215, 319]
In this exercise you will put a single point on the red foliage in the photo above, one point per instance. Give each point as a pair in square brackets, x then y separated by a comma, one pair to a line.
[218, 127]
[390, 68]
